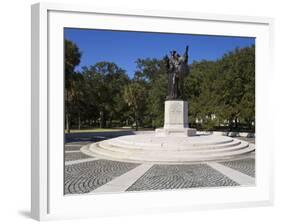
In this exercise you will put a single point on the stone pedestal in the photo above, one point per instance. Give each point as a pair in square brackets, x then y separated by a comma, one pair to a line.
[176, 119]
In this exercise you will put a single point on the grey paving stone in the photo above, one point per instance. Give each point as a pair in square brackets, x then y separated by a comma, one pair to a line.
[85, 177]
[72, 148]
[246, 166]
[161, 177]
[75, 156]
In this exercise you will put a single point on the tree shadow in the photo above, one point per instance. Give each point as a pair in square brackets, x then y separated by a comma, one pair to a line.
[94, 136]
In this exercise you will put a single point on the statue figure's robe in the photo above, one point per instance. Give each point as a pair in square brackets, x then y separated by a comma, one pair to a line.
[177, 69]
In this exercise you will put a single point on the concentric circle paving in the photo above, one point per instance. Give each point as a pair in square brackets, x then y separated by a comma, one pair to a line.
[161, 177]
[87, 176]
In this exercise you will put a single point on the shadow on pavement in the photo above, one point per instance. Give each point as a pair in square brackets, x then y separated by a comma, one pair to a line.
[94, 136]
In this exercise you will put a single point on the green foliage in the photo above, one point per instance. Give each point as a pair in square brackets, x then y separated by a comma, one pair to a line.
[135, 96]
[221, 93]
[199, 87]
[153, 74]
[104, 84]
[236, 87]
[72, 59]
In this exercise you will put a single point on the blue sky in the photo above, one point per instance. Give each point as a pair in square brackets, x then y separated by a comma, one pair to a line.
[124, 48]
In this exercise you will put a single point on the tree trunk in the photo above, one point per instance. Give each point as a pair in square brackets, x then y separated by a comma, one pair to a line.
[230, 124]
[67, 118]
[101, 119]
[110, 122]
[67, 115]
[79, 121]
[236, 123]
[136, 120]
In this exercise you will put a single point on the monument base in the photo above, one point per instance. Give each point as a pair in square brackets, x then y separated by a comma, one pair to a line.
[175, 143]
[175, 131]
[176, 120]
[149, 148]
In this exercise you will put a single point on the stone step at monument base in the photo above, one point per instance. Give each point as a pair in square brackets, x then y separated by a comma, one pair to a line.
[191, 150]
[168, 146]
[171, 149]
[175, 131]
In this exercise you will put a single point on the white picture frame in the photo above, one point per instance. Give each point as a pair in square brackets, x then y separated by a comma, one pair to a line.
[48, 201]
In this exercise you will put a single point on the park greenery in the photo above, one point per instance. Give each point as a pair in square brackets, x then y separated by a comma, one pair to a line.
[220, 93]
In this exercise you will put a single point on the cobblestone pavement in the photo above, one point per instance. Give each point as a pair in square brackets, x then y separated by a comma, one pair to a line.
[74, 156]
[161, 177]
[246, 166]
[74, 146]
[87, 176]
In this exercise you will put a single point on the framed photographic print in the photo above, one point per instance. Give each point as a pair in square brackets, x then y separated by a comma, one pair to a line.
[148, 111]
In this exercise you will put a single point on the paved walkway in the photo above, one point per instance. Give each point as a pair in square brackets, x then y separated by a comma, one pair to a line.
[84, 174]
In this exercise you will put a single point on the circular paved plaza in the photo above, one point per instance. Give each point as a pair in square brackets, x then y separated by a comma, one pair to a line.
[86, 175]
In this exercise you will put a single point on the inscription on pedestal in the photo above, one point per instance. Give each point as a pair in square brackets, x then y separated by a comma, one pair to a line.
[175, 114]
[176, 120]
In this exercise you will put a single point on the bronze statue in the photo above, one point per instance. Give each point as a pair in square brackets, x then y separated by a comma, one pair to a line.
[177, 67]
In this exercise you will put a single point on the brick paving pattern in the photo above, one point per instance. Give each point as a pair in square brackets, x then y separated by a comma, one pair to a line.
[246, 166]
[75, 156]
[72, 147]
[87, 176]
[161, 177]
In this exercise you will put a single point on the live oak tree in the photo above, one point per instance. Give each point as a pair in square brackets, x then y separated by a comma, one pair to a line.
[235, 87]
[104, 83]
[71, 60]
[135, 97]
[199, 86]
[153, 75]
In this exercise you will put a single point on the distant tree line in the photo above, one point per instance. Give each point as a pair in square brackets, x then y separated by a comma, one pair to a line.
[221, 93]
